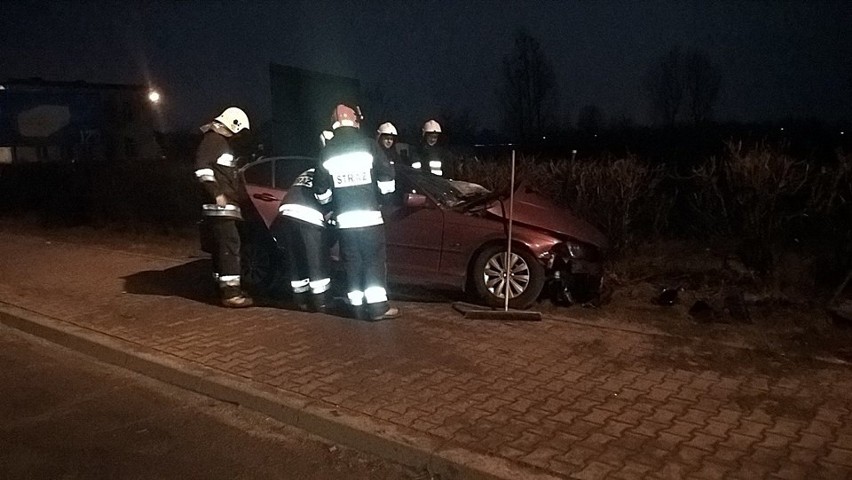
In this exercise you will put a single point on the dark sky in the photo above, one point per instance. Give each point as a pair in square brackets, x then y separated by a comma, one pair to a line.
[777, 58]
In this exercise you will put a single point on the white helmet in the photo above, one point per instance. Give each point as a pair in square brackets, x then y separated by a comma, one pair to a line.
[234, 119]
[431, 127]
[386, 128]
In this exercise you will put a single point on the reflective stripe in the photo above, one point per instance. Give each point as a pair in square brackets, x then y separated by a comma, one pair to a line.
[356, 298]
[324, 197]
[300, 286]
[205, 175]
[226, 159]
[348, 163]
[320, 286]
[359, 218]
[213, 210]
[375, 295]
[342, 123]
[303, 213]
[387, 187]
[439, 173]
[350, 169]
[229, 280]
[416, 165]
[434, 164]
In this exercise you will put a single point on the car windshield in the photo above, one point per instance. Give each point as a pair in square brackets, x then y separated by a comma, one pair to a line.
[449, 193]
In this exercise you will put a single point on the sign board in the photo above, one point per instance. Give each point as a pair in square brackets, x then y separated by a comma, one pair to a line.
[302, 102]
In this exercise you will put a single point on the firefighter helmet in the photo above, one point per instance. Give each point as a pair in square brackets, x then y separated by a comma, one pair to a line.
[431, 127]
[344, 116]
[386, 128]
[234, 119]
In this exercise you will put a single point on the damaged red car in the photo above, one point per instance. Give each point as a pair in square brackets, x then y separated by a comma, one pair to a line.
[444, 233]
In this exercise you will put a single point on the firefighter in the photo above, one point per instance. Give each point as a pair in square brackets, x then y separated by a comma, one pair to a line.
[301, 232]
[352, 174]
[216, 169]
[431, 157]
[387, 142]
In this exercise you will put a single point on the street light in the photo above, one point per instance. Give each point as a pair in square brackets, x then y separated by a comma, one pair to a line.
[154, 96]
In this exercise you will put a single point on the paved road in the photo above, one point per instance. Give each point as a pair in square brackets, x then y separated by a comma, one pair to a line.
[570, 399]
[64, 416]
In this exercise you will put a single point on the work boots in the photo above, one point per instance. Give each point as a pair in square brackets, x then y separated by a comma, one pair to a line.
[233, 297]
[389, 314]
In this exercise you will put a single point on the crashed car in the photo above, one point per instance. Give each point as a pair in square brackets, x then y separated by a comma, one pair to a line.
[444, 233]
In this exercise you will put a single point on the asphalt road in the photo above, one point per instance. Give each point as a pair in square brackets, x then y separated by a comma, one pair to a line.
[65, 416]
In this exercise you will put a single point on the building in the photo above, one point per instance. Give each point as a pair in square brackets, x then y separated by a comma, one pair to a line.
[50, 121]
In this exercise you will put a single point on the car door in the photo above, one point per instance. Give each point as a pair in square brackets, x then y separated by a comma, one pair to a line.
[266, 182]
[414, 232]
[259, 184]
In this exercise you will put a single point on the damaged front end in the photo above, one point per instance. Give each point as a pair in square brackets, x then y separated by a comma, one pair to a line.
[574, 274]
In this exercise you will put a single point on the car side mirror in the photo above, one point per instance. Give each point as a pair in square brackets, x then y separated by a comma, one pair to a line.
[415, 200]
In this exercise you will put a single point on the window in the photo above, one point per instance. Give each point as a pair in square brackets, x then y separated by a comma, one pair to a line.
[287, 169]
[259, 174]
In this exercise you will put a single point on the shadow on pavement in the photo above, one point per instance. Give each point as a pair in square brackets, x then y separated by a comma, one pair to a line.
[193, 281]
[190, 280]
[409, 293]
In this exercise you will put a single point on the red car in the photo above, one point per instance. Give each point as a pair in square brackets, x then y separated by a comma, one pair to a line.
[444, 233]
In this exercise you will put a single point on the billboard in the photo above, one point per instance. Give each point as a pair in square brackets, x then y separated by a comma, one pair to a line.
[29, 117]
[302, 102]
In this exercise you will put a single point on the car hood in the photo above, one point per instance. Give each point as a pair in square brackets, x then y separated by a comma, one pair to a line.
[534, 210]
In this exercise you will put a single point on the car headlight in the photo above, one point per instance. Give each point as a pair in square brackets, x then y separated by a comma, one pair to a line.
[576, 251]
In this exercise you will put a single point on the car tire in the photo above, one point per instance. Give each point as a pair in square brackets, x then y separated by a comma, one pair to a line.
[259, 262]
[488, 267]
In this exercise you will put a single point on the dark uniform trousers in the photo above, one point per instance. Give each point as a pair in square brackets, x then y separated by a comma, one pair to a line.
[306, 248]
[364, 259]
[226, 254]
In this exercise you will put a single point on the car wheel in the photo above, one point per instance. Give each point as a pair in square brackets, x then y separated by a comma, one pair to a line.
[259, 265]
[488, 275]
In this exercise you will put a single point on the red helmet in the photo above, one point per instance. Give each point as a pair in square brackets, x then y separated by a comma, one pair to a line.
[344, 116]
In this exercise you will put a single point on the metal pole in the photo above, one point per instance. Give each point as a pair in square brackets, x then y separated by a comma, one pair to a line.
[509, 240]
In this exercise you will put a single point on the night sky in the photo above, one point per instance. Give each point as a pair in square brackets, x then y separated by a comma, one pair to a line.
[777, 58]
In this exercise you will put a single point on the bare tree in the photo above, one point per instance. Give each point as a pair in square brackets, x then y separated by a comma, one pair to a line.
[702, 81]
[528, 88]
[664, 84]
[683, 85]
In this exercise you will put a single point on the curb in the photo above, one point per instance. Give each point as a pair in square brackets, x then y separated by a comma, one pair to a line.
[384, 439]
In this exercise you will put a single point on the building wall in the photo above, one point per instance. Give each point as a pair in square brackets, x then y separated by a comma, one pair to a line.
[71, 122]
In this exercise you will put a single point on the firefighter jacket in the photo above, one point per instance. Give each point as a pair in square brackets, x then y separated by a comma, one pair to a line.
[216, 169]
[433, 159]
[392, 154]
[301, 203]
[352, 173]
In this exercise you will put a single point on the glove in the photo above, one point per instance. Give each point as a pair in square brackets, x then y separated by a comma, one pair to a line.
[329, 219]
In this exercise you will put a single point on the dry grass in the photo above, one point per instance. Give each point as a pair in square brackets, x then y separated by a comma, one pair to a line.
[785, 227]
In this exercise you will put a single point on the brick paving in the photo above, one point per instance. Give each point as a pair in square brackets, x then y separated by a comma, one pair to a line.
[578, 401]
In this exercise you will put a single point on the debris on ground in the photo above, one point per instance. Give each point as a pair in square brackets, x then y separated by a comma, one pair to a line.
[668, 296]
